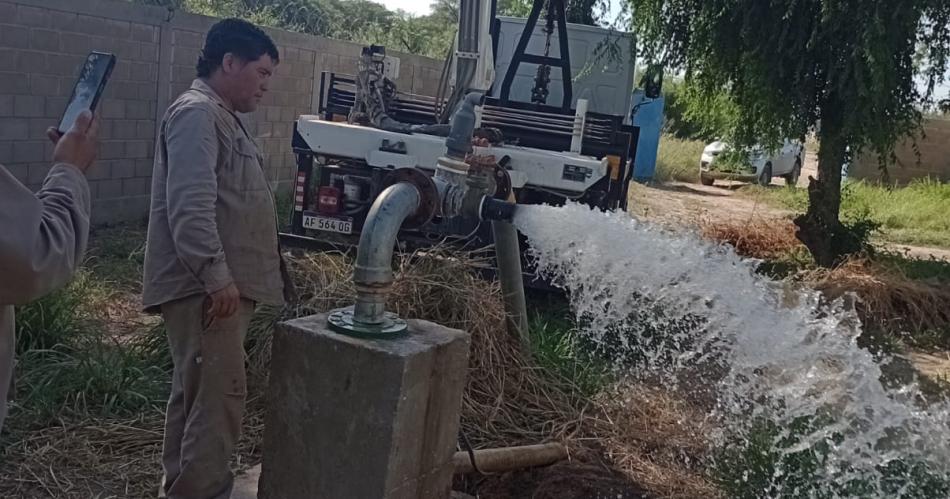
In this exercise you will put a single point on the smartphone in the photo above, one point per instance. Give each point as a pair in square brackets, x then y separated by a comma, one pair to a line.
[88, 89]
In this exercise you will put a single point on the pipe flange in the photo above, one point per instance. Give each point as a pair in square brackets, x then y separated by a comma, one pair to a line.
[428, 194]
[343, 322]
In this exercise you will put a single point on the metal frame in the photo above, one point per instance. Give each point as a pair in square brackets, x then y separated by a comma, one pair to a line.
[522, 57]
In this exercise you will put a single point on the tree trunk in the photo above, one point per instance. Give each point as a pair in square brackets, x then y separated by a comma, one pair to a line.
[820, 228]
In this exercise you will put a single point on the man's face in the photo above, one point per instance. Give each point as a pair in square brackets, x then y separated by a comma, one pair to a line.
[247, 81]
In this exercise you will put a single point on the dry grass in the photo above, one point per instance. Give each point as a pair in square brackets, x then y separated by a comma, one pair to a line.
[657, 439]
[508, 400]
[754, 238]
[888, 299]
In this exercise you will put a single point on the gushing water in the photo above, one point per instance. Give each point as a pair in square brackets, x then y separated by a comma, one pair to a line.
[692, 312]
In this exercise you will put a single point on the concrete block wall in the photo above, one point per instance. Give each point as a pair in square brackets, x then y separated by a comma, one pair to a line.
[934, 160]
[43, 43]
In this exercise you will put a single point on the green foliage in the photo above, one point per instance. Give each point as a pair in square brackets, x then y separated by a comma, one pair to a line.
[733, 160]
[55, 318]
[765, 463]
[93, 375]
[678, 159]
[786, 65]
[557, 348]
[359, 21]
[689, 114]
[915, 214]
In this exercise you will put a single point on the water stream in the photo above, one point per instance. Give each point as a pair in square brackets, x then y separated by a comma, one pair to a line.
[689, 313]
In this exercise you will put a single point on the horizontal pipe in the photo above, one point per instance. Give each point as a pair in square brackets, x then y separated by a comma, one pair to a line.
[509, 458]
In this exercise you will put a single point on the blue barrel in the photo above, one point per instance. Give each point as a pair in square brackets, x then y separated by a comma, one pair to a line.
[647, 114]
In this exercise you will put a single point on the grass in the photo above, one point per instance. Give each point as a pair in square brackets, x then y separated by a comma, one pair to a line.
[915, 214]
[55, 318]
[678, 159]
[765, 464]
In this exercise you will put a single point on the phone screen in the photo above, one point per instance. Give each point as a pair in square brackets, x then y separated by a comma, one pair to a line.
[92, 79]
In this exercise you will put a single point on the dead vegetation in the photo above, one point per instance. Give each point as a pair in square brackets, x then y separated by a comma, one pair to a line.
[625, 441]
[889, 299]
[754, 238]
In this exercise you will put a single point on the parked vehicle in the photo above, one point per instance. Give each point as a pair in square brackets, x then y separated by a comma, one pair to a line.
[719, 161]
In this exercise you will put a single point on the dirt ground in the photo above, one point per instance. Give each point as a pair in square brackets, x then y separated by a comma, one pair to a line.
[680, 204]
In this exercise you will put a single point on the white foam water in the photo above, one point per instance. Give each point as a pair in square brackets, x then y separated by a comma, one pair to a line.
[768, 350]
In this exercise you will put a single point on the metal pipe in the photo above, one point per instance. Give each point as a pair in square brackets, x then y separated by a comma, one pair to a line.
[373, 273]
[508, 258]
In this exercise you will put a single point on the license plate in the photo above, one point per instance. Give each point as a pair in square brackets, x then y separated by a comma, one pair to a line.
[327, 224]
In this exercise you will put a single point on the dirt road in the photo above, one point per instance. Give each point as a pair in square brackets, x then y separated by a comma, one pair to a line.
[687, 204]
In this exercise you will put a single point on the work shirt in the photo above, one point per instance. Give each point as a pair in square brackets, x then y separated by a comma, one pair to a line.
[212, 220]
[42, 240]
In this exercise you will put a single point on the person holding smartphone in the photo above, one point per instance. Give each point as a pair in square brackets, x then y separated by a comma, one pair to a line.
[211, 255]
[43, 235]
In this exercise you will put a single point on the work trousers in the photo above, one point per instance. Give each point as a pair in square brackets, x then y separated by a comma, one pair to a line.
[209, 387]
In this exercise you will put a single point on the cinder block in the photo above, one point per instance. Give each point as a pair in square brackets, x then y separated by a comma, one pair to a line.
[145, 129]
[55, 106]
[32, 16]
[17, 37]
[31, 62]
[102, 170]
[12, 128]
[44, 85]
[29, 106]
[113, 109]
[110, 188]
[8, 58]
[143, 167]
[138, 110]
[123, 168]
[190, 39]
[44, 39]
[135, 186]
[7, 11]
[91, 25]
[6, 152]
[137, 149]
[6, 105]
[112, 149]
[144, 33]
[118, 29]
[66, 65]
[61, 21]
[75, 43]
[127, 90]
[37, 172]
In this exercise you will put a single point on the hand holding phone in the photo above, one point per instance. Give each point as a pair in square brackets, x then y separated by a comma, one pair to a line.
[79, 146]
[88, 89]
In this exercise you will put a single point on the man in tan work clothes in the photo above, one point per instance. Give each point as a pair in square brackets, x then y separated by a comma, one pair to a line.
[212, 254]
[42, 235]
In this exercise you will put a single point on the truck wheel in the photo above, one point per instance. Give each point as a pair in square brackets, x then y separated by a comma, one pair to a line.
[792, 178]
[766, 178]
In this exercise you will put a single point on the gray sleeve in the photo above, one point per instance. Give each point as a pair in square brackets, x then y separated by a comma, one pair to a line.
[42, 236]
[192, 190]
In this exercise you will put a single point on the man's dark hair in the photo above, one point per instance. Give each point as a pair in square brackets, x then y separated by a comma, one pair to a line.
[238, 37]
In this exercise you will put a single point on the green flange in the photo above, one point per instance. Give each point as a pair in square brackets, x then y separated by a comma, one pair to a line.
[341, 321]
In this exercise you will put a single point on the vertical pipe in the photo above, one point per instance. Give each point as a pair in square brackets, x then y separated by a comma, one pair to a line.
[508, 257]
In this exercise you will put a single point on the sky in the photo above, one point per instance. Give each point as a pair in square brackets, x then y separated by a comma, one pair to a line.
[415, 7]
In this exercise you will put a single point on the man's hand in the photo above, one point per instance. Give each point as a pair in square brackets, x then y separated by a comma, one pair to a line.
[224, 302]
[80, 145]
